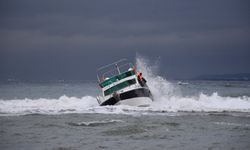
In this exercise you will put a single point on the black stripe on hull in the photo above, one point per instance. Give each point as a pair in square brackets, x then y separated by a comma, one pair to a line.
[141, 92]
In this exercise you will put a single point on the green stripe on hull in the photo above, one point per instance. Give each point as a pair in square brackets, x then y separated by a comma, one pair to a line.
[117, 78]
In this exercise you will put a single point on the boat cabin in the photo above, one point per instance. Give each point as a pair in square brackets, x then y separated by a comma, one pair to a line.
[117, 77]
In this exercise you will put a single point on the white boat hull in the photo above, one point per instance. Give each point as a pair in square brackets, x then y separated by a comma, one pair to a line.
[136, 101]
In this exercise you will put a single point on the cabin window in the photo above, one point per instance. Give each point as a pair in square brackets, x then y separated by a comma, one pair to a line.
[119, 86]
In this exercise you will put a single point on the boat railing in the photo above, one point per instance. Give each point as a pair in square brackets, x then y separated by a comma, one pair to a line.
[113, 69]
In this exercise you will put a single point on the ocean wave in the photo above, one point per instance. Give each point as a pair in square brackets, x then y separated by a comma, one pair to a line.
[88, 104]
[61, 105]
[166, 99]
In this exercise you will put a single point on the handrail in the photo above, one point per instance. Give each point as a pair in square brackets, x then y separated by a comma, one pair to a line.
[124, 59]
[101, 71]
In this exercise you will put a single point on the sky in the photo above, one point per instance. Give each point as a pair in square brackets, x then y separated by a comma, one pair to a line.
[69, 40]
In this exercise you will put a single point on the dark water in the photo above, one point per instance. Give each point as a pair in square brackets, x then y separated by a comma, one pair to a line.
[144, 132]
[185, 115]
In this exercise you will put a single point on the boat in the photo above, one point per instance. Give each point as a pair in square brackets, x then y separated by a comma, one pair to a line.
[121, 84]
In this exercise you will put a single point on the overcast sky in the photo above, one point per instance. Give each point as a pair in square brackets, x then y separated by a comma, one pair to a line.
[57, 39]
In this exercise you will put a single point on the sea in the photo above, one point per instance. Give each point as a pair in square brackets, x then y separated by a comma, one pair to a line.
[185, 115]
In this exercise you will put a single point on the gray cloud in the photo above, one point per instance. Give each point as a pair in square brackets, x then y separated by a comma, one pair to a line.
[192, 38]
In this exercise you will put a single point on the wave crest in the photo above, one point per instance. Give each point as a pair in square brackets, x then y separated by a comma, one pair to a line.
[63, 104]
[167, 98]
[88, 104]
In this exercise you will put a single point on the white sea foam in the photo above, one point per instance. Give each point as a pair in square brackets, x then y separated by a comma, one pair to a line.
[166, 99]
[63, 104]
[88, 104]
[95, 123]
[232, 124]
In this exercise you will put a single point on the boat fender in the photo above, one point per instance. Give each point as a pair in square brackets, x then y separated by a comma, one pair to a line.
[98, 100]
[116, 96]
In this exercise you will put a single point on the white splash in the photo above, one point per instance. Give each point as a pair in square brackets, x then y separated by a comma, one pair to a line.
[63, 104]
[167, 98]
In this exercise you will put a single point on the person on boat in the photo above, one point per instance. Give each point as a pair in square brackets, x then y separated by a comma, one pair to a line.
[141, 80]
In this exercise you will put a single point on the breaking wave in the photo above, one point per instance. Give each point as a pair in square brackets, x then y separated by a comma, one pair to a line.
[167, 98]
